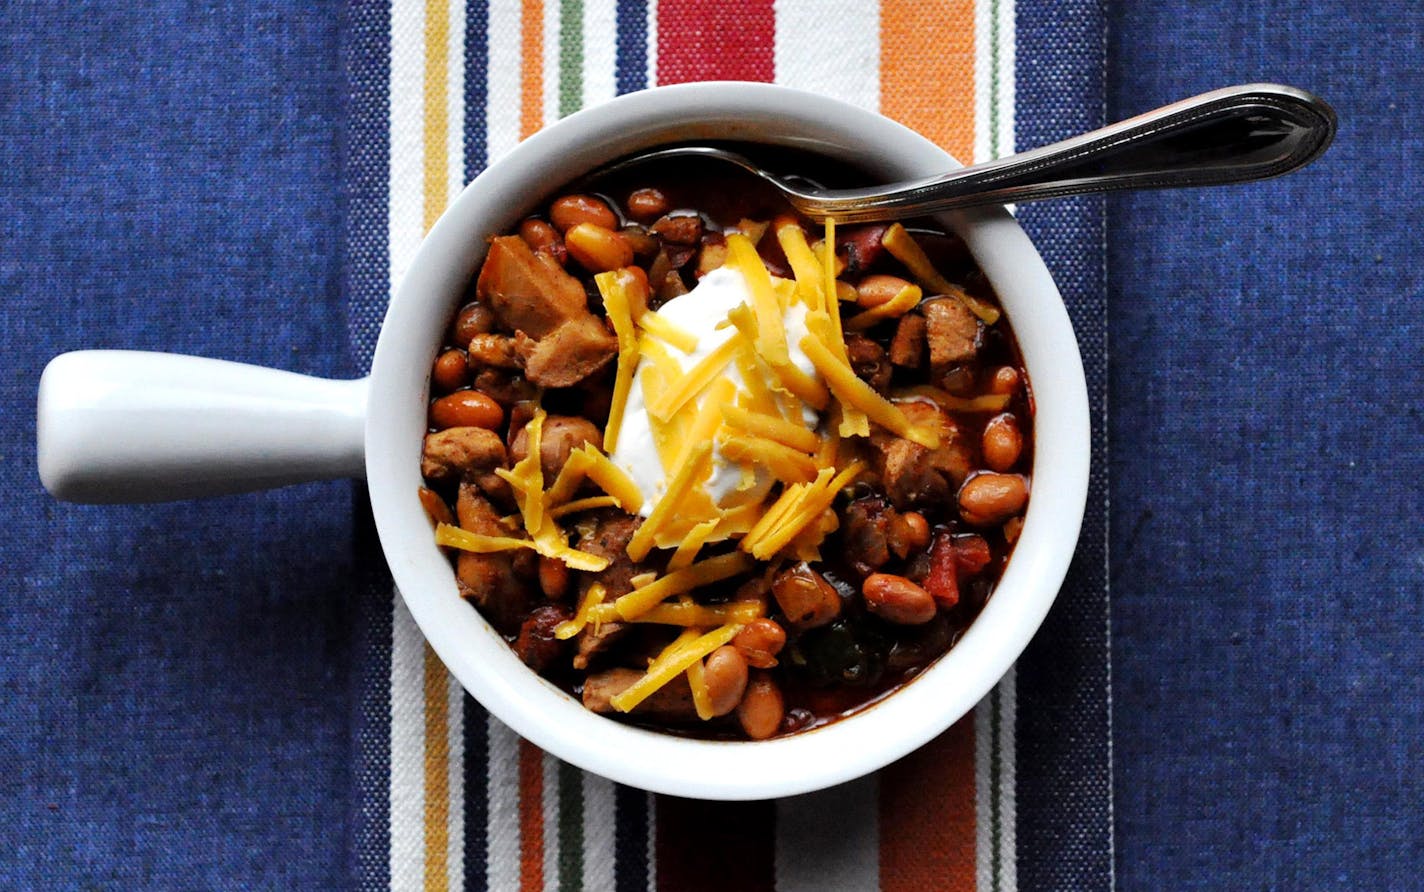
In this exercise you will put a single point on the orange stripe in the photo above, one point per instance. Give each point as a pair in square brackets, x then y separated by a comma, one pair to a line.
[437, 773]
[927, 815]
[931, 91]
[531, 88]
[531, 817]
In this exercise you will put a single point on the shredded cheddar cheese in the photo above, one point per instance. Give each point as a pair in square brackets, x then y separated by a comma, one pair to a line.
[613, 286]
[804, 265]
[672, 663]
[694, 470]
[585, 504]
[784, 463]
[680, 392]
[701, 693]
[907, 299]
[802, 507]
[612, 479]
[691, 544]
[660, 327]
[571, 475]
[688, 615]
[851, 391]
[714, 569]
[903, 247]
[591, 600]
[709, 416]
[464, 540]
[763, 424]
[771, 337]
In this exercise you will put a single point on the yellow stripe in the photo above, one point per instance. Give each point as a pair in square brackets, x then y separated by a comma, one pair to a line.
[437, 679]
[437, 773]
[436, 112]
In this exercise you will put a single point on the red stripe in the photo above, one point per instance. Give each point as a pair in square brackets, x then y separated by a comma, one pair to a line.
[711, 40]
[927, 815]
[531, 817]
[715, 846]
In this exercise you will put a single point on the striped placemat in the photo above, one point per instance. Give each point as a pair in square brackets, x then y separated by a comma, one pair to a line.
[1016, 795]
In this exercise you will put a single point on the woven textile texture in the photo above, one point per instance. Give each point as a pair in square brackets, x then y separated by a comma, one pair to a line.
[1268, 561]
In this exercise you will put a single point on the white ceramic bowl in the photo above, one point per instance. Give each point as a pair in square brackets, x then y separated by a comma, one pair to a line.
[260, 428]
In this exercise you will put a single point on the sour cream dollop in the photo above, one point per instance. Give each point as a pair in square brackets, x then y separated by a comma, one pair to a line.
[699, 312]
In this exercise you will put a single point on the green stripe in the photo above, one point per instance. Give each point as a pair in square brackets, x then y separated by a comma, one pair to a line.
[570, 56]
[994, 101]
[995, 820]
[570, 828]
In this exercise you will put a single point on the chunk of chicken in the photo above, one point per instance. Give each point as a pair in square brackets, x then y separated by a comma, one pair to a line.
[528, 292]
[567, 354]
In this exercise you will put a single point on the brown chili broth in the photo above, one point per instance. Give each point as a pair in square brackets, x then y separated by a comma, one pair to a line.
[722, 196]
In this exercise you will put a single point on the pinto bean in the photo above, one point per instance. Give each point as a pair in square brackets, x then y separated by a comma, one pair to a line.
[598, 249]
[726, 675]
[805, 597]
[988, 499]
[760, 641]
[897, 599]
[762, 707]
[553, 578]
[1004, 380]
[1002, 442]
[647, 204]
[466, 408]
[571, 210]
[544, 239]
[473, 319]
[909, 532]
[878, 289]
[450, 372]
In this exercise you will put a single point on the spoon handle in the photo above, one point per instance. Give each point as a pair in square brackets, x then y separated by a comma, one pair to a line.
[1231, 135]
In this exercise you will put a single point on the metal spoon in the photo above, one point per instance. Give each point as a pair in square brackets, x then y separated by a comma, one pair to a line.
[1231, 135]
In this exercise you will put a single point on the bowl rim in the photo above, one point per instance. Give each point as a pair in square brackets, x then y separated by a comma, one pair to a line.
[537, 710]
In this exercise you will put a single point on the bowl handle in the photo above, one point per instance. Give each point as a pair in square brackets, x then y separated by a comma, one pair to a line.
[128, 426]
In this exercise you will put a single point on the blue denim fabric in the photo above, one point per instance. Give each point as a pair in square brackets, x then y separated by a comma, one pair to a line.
[173, 679]
[1266, 392]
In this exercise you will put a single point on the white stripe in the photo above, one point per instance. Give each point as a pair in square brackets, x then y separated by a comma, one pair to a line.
[550, 807]
[455, 740]
[600, 51]
[829, 839]
[551, 62]
[830, 48]
[1007, 61]
[406, 199]
[502, 817]
[652, 853]
[983, 71]
[503, 80]
[652, 44]
[407, 796]
[983, 793]
[455, 101]
[1007, 692]
[600, 820]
